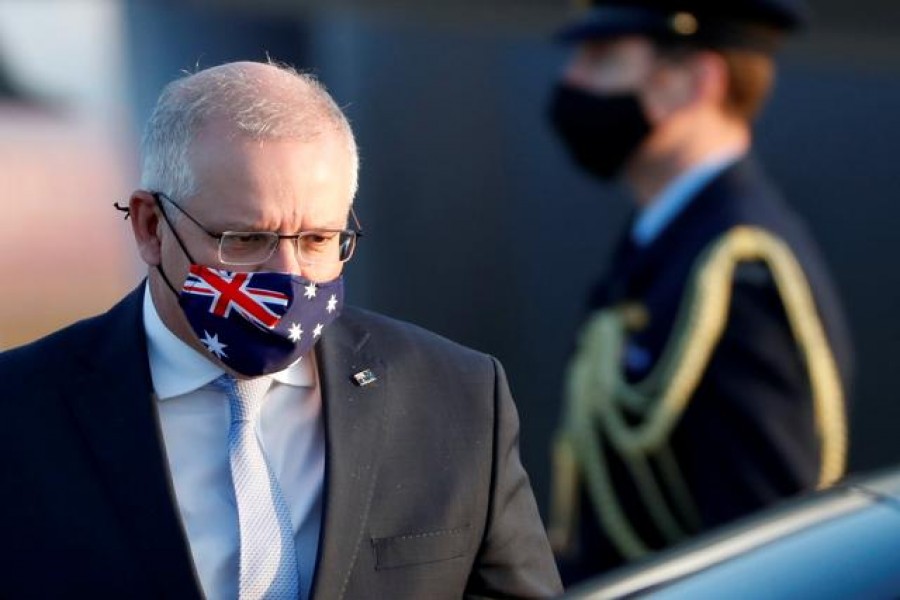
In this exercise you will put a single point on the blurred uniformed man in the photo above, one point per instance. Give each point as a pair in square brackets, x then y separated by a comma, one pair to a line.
[710, 378]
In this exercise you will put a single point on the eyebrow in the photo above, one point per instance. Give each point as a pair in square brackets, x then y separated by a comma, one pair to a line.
[341, 224]
[254, 229]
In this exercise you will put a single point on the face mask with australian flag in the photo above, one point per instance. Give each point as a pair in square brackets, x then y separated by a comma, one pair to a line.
[260, 322]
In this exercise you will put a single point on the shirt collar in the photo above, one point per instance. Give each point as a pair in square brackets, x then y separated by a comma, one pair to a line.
[177, 369]
[676, 196]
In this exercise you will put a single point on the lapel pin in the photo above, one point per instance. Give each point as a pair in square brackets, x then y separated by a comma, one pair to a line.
[364, 377]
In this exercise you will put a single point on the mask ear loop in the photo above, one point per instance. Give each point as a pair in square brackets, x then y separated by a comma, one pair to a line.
[166, 279]
[184, 249]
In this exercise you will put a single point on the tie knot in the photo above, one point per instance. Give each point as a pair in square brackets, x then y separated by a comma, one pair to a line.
[244, 395]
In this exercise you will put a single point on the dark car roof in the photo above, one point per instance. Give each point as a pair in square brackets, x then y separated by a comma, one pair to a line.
[840, 543]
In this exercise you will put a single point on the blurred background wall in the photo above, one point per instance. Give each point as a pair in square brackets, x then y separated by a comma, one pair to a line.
[65, 154]
[476, 225]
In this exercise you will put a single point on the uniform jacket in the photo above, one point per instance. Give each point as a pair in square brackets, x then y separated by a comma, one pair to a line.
[424, 497]
[747, 437]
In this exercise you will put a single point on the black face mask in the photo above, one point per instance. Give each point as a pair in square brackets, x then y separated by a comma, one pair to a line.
[601, 132]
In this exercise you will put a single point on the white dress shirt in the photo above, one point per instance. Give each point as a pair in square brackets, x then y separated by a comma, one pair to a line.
[676, 196]
[194, 418]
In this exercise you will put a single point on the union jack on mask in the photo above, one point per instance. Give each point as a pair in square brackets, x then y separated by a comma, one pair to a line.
[258, 323]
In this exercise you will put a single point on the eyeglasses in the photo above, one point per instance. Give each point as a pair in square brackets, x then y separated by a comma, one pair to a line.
[249, 248]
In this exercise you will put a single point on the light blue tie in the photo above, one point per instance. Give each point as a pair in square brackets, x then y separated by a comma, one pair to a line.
[268, 558]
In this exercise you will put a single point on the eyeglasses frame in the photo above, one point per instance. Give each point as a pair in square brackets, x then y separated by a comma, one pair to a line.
[357, 232]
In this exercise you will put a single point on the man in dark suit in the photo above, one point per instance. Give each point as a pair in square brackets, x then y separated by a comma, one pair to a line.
[221, 432]
[710, 378]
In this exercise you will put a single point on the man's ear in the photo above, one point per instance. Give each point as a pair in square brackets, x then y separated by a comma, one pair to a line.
[146, 226]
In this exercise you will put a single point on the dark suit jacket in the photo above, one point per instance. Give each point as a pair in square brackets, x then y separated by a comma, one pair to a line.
[425, 496]
[748, 436]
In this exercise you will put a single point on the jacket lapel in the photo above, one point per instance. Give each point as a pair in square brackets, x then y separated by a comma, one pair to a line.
[355, 421]
[118, 418]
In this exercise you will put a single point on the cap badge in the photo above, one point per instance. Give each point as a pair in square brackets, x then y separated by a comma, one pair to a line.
[684, 23]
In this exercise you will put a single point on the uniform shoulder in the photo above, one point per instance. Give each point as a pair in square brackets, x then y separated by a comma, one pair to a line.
[745, 195]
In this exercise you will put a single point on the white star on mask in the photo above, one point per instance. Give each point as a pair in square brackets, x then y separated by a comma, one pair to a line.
[295, 332]
[318, 330]
[332, 304]
[213, 344]
[310, 291]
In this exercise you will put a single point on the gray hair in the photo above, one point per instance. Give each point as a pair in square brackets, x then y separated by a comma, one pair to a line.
[294, 105]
